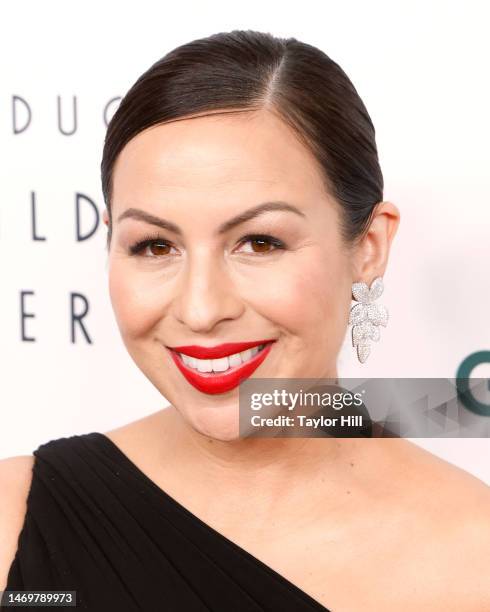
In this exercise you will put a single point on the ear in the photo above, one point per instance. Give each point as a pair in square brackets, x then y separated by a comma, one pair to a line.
[105, 217]
[371, 254]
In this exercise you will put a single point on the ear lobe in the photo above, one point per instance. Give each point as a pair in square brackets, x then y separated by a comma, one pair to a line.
[105, 217]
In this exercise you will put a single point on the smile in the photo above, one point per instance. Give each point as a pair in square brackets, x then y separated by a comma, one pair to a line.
[222, 368]
[223, 364]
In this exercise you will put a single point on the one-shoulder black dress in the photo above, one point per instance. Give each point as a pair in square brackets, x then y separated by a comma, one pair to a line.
[97, 525]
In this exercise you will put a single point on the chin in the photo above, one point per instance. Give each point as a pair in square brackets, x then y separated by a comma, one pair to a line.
[219, 423]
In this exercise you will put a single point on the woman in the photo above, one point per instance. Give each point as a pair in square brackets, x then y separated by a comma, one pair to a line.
[244, 199]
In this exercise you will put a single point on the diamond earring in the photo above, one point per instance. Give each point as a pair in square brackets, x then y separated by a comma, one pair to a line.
[366, 317]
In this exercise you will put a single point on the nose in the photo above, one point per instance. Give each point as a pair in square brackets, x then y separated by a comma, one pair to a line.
[205, 294]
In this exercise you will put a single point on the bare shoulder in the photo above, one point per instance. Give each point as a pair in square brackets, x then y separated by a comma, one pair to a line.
[446, 485]
[451, 524]
[463, 516]
[15, 481]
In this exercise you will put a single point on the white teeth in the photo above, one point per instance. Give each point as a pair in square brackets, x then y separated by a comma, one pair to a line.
[222, 364]
[246, 355]
[235, 360]
[204, 365]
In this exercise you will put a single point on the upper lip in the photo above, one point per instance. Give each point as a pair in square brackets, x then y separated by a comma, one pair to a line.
[218, 351]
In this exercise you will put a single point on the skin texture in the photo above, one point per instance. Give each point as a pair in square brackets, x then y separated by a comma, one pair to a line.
[359, 524]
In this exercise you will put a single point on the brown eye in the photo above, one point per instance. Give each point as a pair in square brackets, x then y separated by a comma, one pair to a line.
[157, 250]
[260, 245]
[151, 248]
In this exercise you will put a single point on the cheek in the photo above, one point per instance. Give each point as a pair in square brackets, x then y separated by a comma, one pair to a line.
[310, 301]
[308, 298]
[137, 300]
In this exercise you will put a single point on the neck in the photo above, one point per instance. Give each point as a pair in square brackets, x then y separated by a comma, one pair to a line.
[261, 463]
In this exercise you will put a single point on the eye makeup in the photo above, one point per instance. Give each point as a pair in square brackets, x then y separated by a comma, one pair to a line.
[261, 240]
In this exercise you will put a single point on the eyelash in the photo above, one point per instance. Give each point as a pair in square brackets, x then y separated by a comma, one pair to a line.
[137, 248]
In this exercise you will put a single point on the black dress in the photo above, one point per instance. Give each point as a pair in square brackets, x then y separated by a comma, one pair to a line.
[97, 525]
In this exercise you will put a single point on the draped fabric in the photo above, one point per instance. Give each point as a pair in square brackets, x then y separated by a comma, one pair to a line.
[97, 525]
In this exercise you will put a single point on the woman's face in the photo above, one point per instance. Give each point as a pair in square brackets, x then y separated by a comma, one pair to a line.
[210, 277]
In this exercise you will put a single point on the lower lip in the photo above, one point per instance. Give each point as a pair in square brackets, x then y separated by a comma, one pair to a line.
[221, 382]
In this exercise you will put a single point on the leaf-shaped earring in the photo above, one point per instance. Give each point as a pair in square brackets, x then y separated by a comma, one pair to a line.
[366, 317]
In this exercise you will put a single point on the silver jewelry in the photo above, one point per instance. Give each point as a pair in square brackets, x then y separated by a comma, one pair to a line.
[366, 317]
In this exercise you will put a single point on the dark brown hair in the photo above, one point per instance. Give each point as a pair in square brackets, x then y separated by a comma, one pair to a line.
[249, 70]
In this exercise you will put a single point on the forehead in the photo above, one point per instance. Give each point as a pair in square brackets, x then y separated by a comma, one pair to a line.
[222, 152]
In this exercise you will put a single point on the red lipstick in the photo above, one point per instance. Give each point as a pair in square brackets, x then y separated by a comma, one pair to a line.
[218, 351]
[219, 382]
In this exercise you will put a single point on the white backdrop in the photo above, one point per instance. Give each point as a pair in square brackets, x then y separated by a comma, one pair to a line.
[421, 68]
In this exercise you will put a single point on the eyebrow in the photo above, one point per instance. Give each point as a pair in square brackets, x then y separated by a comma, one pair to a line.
[246, 215]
